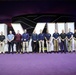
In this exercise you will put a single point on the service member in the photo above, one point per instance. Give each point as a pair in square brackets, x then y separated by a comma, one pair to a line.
[41, 37]
[10, 39]
[2, 42]
[56, 41]
[34, 41]
[69, 40]
[74, 35]
[48, 38]
[25, 40]
[63, 41]
[18, 42]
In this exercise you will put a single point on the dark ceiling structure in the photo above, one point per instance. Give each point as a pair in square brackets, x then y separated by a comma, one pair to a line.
[10, 9]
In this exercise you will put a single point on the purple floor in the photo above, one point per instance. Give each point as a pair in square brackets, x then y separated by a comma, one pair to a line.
[38, 64]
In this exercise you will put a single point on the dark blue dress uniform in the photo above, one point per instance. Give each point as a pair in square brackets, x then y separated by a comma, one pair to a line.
[34, 42]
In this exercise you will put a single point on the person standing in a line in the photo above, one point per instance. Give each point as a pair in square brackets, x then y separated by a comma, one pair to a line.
[56, 41]
[18, 42]
[25, 39]
[2, 43]
[34, 41]
[10, 39]
[74, 36]
[63, 41]
[48, 38]
[41, 37]
[69, 40]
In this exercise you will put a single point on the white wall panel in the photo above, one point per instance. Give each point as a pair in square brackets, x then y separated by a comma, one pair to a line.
[60, 26]
[39, 26]
[51, 29]
[16, 27]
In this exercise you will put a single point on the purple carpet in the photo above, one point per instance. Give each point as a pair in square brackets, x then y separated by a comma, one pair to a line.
[38, 64]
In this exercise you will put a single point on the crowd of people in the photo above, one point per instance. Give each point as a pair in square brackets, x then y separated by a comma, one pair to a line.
[38, 41]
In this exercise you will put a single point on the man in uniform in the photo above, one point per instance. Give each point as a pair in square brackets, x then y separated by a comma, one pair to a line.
[34, 41]
[25, 40]
[69, 40]
[63, 41]
[48, 38]
[74, 35]
[18, 41]
[41, 37]
[56, 41]
[10, 39]
[2, 42]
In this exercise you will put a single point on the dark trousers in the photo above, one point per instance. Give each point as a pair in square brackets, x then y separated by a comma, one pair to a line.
[18, 46]
[63, 46]
[34, 46]
[10, 45]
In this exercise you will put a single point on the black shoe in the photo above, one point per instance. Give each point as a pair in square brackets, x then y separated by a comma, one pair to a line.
[65, 52]
[12, 52]
[57, 52]
[27, 52]
[8, 52]
[69, 51]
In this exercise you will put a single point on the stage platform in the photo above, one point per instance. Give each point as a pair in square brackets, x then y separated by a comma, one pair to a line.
[38, 64]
